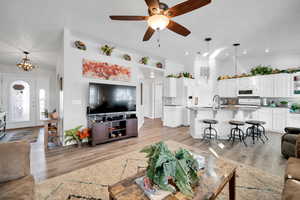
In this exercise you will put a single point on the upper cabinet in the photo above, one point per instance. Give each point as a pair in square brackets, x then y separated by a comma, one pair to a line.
[227, 88]
[266, 86]
[282, 84]
[276, 85]
[170, 87]
[248, 85]
[179, 87]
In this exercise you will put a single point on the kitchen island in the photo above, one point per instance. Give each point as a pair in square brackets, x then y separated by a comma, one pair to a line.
[223, 115]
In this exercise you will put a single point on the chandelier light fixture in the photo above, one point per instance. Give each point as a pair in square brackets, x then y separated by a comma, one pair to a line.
[25, 63]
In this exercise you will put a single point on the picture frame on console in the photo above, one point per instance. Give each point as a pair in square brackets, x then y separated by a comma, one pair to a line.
[111, 112]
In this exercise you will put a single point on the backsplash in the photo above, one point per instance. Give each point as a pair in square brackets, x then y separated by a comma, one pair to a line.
[269, 101]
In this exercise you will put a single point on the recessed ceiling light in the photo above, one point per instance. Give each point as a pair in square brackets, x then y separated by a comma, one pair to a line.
[205, 54]
[186, 53]
[267, 50]
[152, 75]
[245, 52]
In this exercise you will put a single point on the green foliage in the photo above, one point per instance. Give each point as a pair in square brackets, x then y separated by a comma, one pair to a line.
[71, 135]
[295, 107]
[107, 50]
[261, 70]
[284, 102]
[172, 76]
[144, 60]
[163, 166]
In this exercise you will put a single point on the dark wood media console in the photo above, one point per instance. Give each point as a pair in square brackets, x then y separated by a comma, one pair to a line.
[108, 131]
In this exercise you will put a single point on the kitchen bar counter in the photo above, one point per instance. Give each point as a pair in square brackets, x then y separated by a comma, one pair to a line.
[222, 115]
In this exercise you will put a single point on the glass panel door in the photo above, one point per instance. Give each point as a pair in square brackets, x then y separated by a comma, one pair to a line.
[19, 100]
[19, 106]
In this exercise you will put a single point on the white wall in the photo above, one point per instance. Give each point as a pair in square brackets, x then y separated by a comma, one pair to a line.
[173, 67]
[205, 88]
[245, 63]
[75, 97]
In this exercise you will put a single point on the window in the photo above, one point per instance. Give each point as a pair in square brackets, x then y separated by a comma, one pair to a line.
[42, 101]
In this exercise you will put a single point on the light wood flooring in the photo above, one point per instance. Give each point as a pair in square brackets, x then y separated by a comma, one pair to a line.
[62, 160]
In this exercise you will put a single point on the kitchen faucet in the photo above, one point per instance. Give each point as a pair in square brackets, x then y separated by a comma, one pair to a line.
[216, 102]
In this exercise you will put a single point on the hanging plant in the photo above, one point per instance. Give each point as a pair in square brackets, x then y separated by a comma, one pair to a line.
[144, 60]
[159, 65]
[127, 57]
[107, 50]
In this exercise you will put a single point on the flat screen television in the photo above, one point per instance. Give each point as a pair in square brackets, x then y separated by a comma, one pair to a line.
[106, 98]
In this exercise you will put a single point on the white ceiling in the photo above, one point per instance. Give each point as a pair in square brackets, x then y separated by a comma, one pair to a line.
[36, 25]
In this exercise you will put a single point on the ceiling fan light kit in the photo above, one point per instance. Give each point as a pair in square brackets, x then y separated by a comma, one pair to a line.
[160, 16]
[158, 22]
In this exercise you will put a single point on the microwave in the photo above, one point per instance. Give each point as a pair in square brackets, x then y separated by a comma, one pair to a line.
[248, 93]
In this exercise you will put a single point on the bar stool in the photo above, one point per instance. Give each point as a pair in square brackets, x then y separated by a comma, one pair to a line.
[256, 130]
[237, 132]
[210, 134]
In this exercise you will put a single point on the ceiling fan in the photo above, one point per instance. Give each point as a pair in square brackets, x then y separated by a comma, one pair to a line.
[160, 16]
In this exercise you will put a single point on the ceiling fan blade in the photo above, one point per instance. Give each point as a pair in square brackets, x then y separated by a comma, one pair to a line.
[128, 18]
[152, 3]
[150, 31]
[177, 28]
[186, 7]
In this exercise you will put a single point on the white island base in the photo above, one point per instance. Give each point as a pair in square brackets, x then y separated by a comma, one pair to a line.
[223, 116]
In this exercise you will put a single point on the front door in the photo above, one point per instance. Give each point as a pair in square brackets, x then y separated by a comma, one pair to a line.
[19, 100]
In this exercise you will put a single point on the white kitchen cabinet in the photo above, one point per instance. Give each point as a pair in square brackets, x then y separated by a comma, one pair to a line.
[293, 120]
[173, 116]
[266, 115]
[227, 88]
[170, 87]
[266, 86]
[279, 119]
[282, 85]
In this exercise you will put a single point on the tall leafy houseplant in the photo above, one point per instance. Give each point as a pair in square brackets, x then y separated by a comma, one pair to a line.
[169, 170]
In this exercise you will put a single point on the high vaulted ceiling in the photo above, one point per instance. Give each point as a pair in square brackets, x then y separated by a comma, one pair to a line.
[36, 26]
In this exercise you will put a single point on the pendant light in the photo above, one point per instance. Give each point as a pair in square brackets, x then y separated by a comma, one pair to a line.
[236, 45]
[204, 70]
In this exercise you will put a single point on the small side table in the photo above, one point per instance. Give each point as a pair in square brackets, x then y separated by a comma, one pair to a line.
[46, 130]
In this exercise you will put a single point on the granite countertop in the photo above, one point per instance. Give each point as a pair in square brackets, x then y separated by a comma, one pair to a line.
[226, 107]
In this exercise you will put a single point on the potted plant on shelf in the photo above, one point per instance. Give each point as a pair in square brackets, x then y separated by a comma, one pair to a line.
[127, 57]
[107, 50]
[295, 108]
[283, 104]
[159, 65]
[144, 60]
[77, 135]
